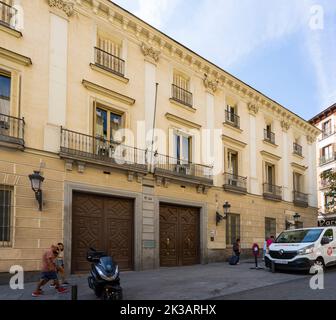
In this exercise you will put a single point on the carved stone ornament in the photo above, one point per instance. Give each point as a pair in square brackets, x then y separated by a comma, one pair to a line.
[285, 125]
[253, 109]
[151, 52]
[311, 139]
[65, 5]
[211, 84]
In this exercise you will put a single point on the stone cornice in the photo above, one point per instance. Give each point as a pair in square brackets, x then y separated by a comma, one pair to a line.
[150, 52]
[253, 109]
[144, 33]
[210, 83]
[299, 166]
[108, 92]
[233, 141]
[16, 57]
[285, 125]
[270, 155]
[187, 123]
[67, 6]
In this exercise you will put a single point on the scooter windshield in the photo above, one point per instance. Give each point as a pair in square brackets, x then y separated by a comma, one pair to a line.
[107, 264]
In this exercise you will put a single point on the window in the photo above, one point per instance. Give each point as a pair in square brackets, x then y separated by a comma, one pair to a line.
[329, 234]
[232, 162]
[270, 174]
[326, 128]
[107, 123]
[270, 227]
[328, 202]
[231, 116]
[5, 90]
[269, 136]
[109, 55]
[183, 147]
[5, 213]
[297, 181]
[181, 89]
[7, 12]
[232, 228]
[327, 153]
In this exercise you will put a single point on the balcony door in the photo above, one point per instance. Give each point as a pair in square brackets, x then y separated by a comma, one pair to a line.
[5, 92]
[297, 182]
[182, 148]
[270, 176]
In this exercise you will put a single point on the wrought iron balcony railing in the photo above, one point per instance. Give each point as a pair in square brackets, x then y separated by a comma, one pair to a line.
[327, 159]
[327, 133]
[98, 150]
[12, 131]
[300, 199]
[109, 62]
[235, 183]
[232, 119]
[7, 15]
[182, 96]
[297, 149]
[272, 192]
[269, 136]
[168, 166]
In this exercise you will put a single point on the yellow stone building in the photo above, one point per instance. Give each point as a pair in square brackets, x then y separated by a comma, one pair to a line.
[73, 75]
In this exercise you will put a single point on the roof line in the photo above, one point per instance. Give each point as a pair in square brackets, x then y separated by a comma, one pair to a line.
[208, 61]
[323, 112]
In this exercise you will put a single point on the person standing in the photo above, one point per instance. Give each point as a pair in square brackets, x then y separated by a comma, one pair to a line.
[60, 265]
[49, 271]
[269, 242]
[237, 250]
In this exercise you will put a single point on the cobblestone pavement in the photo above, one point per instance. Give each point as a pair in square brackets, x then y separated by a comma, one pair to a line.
[199, 282]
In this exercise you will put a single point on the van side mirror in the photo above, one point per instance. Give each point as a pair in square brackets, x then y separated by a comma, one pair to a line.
[325, 241]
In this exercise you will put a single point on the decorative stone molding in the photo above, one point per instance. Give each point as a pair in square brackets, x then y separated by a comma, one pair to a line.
[253, 109]
[285, 125]
[211, 84]
[311, 139]
[81, 167]
[130, 176]
[65, 5]
[151, 52]
[158, 181]
[200, 188]
[166, 182]
[68, 165]
[15, 57]
[139, 177]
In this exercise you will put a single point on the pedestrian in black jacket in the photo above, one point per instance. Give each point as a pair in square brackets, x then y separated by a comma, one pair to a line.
[236, 249]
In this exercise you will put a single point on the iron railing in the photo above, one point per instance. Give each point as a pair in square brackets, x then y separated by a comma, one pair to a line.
[327, 133]
[11, 129]
[232, 119]
[109, 62]
[269, 136]
[97, 149]
[182, 96]
[300, 197]
[272, 191]
[163, 163]
[327, 158]
[235, 181]
[297, 149]
[7, 15]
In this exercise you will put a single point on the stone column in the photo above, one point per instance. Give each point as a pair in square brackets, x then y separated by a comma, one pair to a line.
[287, 194]
[312, 174]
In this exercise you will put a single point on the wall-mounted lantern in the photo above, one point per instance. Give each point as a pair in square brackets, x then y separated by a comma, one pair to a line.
[226, 208]
[36, 182]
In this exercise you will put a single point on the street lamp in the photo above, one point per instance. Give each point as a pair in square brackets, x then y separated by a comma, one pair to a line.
[36, 182]
[296, 219]
[226, 208]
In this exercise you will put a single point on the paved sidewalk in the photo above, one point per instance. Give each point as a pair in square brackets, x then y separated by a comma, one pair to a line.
[186, 283]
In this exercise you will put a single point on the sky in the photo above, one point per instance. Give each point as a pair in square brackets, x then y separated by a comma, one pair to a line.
[284, 48]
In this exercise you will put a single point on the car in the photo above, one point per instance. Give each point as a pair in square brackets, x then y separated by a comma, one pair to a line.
[307, 249]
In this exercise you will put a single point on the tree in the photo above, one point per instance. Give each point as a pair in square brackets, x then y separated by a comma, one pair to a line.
[329, 177]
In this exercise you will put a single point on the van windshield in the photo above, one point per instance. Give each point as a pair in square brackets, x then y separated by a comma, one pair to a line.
[299, 236]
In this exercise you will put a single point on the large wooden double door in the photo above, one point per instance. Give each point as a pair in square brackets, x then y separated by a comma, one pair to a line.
[179, 235]
[104, 223]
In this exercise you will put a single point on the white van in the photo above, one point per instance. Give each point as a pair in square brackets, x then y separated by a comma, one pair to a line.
[303, 248]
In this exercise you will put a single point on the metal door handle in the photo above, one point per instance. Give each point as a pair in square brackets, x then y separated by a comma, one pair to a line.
[168, 241]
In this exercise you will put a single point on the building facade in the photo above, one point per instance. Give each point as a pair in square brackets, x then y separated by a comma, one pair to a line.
[81, 89]
[326, 154]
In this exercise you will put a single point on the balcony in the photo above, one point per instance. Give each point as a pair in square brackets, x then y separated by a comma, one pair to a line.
[109, 62]
[232, 119]
[297, 149]
[327, 159]
[300, 199]
[272, 192]
[234, 183]
[182, 96]
[327, 133]
[269, 136]
[7, 15]
[184, 171]
[96, 150]
[11, 132]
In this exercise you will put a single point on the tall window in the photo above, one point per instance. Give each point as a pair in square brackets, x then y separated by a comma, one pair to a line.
[297, 181]
[183, 147]
[232, 162]
[181, 89]
[327, 152]
[270, 174]
[5, 213]
[5, 90]
[231, 112]
[181, 81]
[270, 227]
[232, 228]
[107, 123]
[326, 128]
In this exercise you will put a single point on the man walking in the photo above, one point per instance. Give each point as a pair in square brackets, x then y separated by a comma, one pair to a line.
[49, 271]
[236, 250]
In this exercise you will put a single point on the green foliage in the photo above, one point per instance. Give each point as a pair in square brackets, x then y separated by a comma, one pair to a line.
[330, 181]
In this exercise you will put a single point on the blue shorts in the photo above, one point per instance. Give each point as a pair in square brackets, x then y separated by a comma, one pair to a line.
[51, 275]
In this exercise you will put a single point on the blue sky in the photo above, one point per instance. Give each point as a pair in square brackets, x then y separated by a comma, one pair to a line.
[283, 48]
